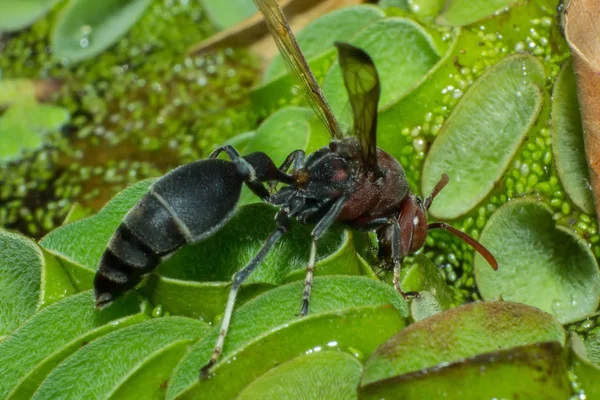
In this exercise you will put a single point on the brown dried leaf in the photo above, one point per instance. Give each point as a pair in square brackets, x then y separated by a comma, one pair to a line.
[582, 30]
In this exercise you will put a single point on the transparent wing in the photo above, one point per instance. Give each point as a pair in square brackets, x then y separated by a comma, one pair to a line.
[362, 84]
[290, 51]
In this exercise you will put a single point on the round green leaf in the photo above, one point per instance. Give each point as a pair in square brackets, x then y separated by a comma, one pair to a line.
[482, 134]
[567, 141]
[24, 125]
[403, 53]
[540, 264]
[274, 315]
[226, 14]
[17, 15]
[326, 375]
[30, 279]
[455, 334]
[53, 334]
[535, 371]
[116, 357]
[318, 36]
[466, 12]
[86, 28]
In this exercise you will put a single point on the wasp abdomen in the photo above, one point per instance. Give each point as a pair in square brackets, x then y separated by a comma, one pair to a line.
[185, 206]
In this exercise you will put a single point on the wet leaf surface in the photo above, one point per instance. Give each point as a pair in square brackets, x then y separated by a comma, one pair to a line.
[110, 362]
[84, 29]
[270, 321]
[325, 374]
[53, 334]
[466, 331]
[477, 142]
[536, 371]
[567, 141]
[540, 263]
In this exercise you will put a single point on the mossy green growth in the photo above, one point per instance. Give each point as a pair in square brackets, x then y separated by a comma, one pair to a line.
[142, 97]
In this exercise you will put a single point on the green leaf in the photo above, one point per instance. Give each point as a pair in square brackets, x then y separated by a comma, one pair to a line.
[466, 12]
[567, 141]
[540, 264]
[17, 15]
[318, 36]
[150, 380]
[402, 52]
[196, 280]
[86, 28]
[76, 212]
[340, 309]
[29, 280]
[217, 258]
[317, 375]
[205, 300]
[592, 345]
[54, 333]
[536, 371]
[453, 335]
[482, 134]
[116, 357]
[426, 10]
[24, 125]
[585, 371]
[401, 4]
[226, 14]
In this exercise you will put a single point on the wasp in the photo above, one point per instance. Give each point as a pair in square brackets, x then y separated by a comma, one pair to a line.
[350, 181]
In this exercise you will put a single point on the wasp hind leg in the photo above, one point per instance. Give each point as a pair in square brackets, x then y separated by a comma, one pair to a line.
[281, 218]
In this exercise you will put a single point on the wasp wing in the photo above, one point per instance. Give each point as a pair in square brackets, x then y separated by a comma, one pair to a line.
[296, 63]
[362, 84]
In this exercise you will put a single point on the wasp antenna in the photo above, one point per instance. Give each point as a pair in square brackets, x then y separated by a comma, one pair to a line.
[485, 253]
[436, 190]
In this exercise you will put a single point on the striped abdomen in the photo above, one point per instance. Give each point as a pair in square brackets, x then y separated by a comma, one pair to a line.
[184, 206]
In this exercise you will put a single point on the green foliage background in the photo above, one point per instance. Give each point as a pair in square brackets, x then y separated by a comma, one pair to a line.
[95, 99]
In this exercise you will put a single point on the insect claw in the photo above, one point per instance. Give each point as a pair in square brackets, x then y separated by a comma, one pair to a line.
[304, 308]
[410, 295]
[204, 371]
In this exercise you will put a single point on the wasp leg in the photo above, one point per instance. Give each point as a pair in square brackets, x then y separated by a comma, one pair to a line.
[295, 160]
[327, 220]
[282, 221]
[228, 149]
[397, 259]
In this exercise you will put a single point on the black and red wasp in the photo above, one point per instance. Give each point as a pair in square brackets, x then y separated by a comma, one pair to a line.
[350, 181]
